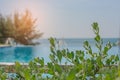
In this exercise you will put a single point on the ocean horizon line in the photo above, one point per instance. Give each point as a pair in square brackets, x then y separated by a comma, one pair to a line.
[83, 38]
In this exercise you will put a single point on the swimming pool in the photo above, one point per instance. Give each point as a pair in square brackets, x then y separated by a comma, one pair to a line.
[26, 53]
[12, 54]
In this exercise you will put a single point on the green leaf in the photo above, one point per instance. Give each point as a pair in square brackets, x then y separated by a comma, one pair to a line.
[76, 61]
[64, 52]
[71, 75]
[117, 58]
[72, 55]
[97, 38]
[52, 41]
[52, 57]
[17, 64]
[108, 62]
[99, 61]
[80, 54]
[108, 77]
[109, 45]
[32, 65]
[39, 61]
[95, 28]
[52, 49]
[86, 43]
[59, 55]
[51, 68]
[105, 50]
[58, 68]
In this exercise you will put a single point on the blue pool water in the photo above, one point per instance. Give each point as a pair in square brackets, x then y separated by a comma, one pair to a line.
[27, 53]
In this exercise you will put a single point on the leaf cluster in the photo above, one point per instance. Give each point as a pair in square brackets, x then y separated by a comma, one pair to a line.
[78, 65]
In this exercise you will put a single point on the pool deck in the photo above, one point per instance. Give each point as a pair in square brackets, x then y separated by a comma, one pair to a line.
[3, 45]
[10, 67]
[10, 64]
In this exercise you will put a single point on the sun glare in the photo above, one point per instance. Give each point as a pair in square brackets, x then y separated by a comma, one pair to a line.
[36, 11]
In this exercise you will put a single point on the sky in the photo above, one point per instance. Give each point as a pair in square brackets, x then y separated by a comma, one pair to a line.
[69, 18]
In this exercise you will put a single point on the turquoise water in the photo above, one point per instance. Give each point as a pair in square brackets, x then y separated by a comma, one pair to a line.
[27, 53]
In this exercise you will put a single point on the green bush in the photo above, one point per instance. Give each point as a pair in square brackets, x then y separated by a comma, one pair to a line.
[96, 66]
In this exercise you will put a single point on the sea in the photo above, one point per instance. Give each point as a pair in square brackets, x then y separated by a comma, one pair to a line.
[24, 54]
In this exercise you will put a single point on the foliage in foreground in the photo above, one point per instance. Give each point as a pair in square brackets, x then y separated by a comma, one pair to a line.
[79, 65]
